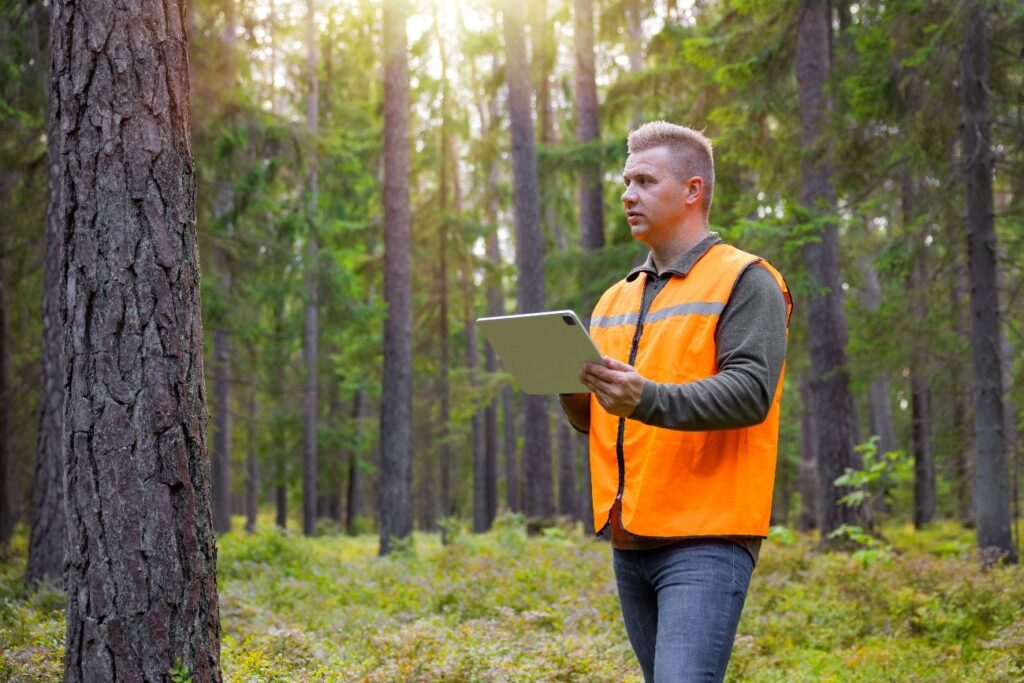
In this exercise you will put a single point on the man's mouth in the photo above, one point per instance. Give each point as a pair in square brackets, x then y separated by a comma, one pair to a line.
[633, 214]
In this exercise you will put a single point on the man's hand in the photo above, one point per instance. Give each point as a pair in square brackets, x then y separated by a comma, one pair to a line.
[617, 386]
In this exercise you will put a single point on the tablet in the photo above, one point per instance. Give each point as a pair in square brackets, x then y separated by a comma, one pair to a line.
[543, 351]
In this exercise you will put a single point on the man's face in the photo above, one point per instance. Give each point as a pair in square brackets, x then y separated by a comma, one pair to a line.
[655, 201]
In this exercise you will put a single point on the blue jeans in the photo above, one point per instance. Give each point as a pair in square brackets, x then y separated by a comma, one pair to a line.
[681, 605]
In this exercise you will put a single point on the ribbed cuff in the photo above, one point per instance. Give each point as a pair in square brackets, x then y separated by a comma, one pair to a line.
[648, 401]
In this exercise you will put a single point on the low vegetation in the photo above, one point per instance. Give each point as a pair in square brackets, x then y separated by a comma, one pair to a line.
[504, 607]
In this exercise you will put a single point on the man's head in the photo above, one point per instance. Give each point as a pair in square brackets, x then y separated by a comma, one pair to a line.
[689, 153]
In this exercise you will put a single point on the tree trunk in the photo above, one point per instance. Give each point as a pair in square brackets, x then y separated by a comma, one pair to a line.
[496, 306]
[221, 465]
[396, 389]
[142, 557]
[443, 387]
[588, 129]
[529, 253]
[808, 482]
[312, 352]
[634, 50]
[46, 540]
[6, 506]
[252, 472]
[354, 499]
[990, 470]
[961, 456]
[920, 385]
[831, 401]
[566, 468]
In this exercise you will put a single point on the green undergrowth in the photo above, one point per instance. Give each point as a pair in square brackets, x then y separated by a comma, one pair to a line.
[502, 607]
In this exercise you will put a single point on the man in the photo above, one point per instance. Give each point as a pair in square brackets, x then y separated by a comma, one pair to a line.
[683, 412]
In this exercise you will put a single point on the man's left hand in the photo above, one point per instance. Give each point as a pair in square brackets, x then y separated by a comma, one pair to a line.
[616, 385]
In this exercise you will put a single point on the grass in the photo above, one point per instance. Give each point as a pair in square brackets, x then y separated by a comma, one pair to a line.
[502, 607]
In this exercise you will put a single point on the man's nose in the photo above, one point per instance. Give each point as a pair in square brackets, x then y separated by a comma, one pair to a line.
[629, 196]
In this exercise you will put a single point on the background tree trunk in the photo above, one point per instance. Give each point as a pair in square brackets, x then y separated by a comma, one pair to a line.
[46, 540]
[529, 253]
[990, 470]
[142, 559]
[312, 334]
[7, 510]
[808, 480]
[396, 389]
[831, 401]
[588, 128]
[354, 499]
[252, 468]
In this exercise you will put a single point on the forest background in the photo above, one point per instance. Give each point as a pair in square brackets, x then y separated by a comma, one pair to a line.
[844, 156]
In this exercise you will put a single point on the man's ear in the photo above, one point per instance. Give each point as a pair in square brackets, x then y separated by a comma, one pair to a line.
[694, 190]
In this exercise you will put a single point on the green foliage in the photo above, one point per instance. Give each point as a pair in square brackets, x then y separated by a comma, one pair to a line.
[501, 606]
[179, 673]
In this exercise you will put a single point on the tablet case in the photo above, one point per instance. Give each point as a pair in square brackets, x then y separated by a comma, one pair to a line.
[543, 351]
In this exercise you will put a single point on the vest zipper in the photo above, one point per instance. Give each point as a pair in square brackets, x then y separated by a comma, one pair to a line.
[620, 439]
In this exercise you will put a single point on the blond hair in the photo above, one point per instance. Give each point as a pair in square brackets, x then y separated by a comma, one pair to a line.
[690, 149]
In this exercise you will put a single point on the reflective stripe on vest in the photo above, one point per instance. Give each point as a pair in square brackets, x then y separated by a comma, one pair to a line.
[676, 483]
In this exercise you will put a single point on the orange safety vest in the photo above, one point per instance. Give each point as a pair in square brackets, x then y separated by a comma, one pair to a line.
[680, 483]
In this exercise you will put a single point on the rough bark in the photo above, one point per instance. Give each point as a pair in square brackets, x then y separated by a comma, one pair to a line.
[567, 499]
[141, 550]
[46, 539]
[991, 492]
[529, 253]
[961, 460]
[588, 128]
[396, 390]
[831, 401]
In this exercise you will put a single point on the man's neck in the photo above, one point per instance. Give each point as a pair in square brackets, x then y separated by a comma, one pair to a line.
[664, 255]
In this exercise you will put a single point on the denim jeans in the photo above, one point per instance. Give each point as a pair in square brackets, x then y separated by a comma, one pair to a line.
[681, 605]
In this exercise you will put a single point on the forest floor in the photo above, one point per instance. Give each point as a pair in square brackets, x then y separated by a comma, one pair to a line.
[504, 607]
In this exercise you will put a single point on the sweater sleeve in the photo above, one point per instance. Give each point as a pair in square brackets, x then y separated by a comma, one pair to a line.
[751, 347]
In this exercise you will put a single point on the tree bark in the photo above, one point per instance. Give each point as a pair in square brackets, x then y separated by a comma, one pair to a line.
[396, 390]
[991, 491]
[529, 253]
[831, 400]
[634, 50]
[588, 129]
[46, 539]
[142, 557]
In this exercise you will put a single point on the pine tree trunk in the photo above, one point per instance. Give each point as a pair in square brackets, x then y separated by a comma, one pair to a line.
[566, 469]
[588, 128]
[354, 499]
[529, 254]
[396, 390]
[920, 389]
[443, 386]
[991, 472]
[46, 540]
[142, 557]
[252, 471]
[831, 401]
[311, 353]
[6, 506]
[634, 50]
[808, 482]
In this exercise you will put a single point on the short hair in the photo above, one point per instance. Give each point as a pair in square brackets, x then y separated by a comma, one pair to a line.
[691, 152]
